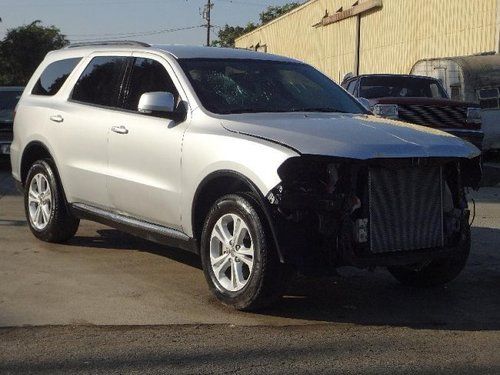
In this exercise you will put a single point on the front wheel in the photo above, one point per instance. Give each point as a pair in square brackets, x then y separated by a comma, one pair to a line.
[437, 272]
[241, 266]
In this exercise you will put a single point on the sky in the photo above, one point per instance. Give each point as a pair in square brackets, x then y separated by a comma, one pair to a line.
[150, 21]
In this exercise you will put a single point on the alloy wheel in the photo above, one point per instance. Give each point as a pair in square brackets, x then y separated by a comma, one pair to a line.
[39, 201]
[231, 252]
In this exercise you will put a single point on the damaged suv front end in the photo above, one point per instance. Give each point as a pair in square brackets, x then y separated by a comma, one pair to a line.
[348, 188]
[386, 194]
[331, 212]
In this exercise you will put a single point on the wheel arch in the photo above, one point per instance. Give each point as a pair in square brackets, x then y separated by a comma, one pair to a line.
[218, 184]
[35, 150]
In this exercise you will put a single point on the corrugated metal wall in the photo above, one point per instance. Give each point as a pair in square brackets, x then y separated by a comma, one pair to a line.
[393, 38]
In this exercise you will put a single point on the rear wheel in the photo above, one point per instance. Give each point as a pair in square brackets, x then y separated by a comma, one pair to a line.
[241, 266]
[437, 272]
[46, 210]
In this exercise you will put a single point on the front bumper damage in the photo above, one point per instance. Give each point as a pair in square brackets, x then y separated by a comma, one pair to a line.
[329, 212]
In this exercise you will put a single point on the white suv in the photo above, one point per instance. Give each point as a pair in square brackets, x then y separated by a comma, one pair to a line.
[258, 163]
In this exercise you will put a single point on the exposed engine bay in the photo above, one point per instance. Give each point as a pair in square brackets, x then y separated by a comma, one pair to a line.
[334, 212]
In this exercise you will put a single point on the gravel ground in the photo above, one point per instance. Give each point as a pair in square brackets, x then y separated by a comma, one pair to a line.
[206, 349]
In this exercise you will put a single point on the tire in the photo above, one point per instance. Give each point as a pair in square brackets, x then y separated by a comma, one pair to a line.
[55, 223]
[438, 272]
[261, 285]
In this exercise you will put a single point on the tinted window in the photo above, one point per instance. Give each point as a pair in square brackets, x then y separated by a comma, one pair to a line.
[146, 76]
[8, 102]
[244, 86]
[456, 92]
[100, 81]
[54, 76]
[351, 86]
[400, 87]
[489, 98]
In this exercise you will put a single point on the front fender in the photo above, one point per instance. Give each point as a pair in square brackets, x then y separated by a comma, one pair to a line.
[206, 154]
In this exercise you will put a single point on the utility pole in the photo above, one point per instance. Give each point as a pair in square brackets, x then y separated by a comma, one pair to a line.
[206, 16]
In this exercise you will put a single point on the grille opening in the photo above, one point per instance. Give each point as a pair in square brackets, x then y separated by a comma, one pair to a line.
[438, 116]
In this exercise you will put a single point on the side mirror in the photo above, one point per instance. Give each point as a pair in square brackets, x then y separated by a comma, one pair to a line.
[157, 102]
[365, 103]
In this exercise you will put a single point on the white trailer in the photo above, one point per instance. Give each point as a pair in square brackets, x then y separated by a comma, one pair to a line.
[472, 79]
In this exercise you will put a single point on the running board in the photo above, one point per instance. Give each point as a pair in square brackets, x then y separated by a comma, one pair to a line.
[149, 231]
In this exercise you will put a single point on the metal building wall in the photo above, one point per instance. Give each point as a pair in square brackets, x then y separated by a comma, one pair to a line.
[393, 38]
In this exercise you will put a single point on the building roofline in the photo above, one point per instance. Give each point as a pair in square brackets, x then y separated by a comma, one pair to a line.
[300, 7]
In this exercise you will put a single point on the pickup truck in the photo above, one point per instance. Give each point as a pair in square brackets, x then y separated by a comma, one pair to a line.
[418, 100]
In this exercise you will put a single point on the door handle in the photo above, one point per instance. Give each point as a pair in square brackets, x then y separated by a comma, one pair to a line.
[119, 129]
[57, 118]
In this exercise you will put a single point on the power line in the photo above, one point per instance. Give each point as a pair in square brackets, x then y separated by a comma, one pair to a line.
[148, 32]
[139, 34]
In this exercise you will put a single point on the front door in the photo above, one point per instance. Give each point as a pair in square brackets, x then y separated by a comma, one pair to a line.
[145, 151]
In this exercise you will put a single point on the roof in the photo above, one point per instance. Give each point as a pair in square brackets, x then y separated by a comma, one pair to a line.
[388, 75]
[176, 50]
[394, 75]
[197, 52]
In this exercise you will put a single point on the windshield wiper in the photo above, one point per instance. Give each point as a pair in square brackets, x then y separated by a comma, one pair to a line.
[318, 109]
[254, 110]
[243, 110]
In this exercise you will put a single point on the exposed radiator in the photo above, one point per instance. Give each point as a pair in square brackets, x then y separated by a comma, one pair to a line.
[406, 209]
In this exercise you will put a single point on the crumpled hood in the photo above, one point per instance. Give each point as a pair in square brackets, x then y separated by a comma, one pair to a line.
[350, 136]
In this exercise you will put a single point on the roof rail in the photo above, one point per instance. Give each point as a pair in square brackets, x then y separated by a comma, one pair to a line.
[110, 43]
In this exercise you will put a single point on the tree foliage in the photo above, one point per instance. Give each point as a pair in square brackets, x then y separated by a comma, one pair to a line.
[273, 12]
[24, 48]
[228, 34]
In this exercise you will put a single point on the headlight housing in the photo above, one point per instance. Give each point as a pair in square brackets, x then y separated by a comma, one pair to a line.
[474, 116]
[386, 110]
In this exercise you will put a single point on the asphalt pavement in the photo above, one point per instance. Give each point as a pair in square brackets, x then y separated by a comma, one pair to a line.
[107, 302]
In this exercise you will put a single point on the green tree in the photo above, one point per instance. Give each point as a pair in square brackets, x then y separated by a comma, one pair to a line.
[228, 34]
[23, 48]
[273, 12]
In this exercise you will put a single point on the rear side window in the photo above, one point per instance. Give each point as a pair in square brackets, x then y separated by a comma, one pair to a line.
[351, 86]
[100, 82]
[54, 76]
[489, 98]
[147, 76]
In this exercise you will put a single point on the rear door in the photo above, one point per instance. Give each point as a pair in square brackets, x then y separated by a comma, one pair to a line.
[145, 150]
[84, 122]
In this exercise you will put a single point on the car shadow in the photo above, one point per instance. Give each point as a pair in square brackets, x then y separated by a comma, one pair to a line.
[369, 298]
[115, 239]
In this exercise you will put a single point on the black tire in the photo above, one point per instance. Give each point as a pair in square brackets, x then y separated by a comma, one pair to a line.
[438, 272]
[62, 225]
[268, 279]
